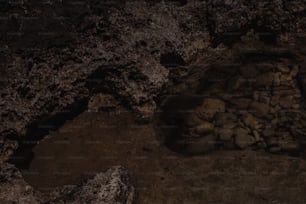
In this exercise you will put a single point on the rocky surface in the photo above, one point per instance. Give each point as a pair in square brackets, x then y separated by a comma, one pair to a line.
[56, 57]
[254, 103]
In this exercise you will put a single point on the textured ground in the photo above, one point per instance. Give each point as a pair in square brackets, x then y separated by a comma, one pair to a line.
[56, 56]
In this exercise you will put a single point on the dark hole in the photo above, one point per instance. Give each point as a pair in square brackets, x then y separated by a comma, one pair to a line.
[171, 60]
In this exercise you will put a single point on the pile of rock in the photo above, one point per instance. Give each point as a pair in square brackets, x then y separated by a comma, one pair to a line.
[258, 108]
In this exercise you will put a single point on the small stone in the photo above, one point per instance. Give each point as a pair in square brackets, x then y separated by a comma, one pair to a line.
[277, 80]
[257, 136]
[286, 102]
[228, 120]
[210, 107]
[265, 79]
[250, 121]
[294, 71]
[285, 78]
[274, 100]
[242, 138]
[205, 127]
[268, 132]
[290, 146]
[283, 68]
[260, 109]
[241, 103]
[224, 134]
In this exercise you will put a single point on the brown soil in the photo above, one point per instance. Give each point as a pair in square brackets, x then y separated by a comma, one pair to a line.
[93, 142]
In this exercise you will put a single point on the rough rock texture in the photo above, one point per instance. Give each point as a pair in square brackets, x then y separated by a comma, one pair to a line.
[55, 55]
[110, 187]
[113, 186]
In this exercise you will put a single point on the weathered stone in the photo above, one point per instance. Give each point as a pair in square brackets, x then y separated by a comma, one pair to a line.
[265, 79]
[294, 71]
[257, 136]
[260, 109]
[226, 119]
[242, 138]
[241, 103]
[268, 132]
[286, 102]
[204, 128]
[250, 121]
[113, 186]
[289, 146]
[224, 134]
[283, 68]
[210, 107]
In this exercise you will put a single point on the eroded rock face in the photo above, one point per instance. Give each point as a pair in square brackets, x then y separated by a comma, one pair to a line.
[117, 49]
[113, 186]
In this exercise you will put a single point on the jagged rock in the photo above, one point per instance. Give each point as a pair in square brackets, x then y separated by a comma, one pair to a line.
[111, 187]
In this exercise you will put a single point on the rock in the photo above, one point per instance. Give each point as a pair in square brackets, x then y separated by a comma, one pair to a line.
[241, 103]
[102, 102]
[113, 186]
[283, 68]
[273, 141]
[228, 120]
[277, 79]
[250, 121]
[286, 102]
[274, 100]
[294, 71]
[268, 132]
[225, 134]
[205, 127]
[201, 145]
[290, 146]
[210, 107]
[257, 136]
[193, 120]
[265, 79]
[260, 109]
[242, 138]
